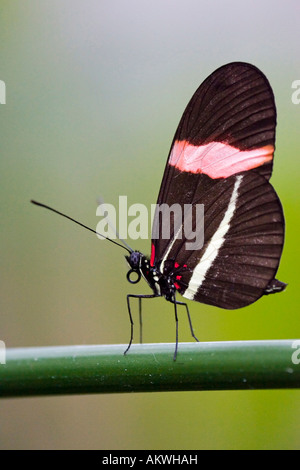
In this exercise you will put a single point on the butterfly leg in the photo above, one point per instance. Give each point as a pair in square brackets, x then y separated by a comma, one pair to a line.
[140, 297]
[176, 322]
[189, 319]
[175, 302]
[141, 320]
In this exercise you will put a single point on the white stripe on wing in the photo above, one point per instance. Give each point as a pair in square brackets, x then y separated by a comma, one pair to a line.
[214, 245]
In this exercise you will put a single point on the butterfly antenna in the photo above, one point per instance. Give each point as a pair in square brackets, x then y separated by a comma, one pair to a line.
[111, 225]
[82, 225]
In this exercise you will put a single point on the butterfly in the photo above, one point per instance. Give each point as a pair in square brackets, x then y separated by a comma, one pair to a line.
[221, 159]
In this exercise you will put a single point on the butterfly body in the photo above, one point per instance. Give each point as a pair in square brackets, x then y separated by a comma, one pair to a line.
[161, 284]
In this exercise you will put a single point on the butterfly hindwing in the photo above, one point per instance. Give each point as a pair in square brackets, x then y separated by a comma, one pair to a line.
[241, 255]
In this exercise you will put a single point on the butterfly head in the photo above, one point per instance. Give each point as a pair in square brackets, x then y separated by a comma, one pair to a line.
[134, 260]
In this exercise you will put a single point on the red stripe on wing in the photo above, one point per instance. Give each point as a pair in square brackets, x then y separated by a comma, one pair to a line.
[217, 159]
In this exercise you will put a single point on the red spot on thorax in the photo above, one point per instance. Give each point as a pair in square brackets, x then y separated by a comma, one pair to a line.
[152, 255]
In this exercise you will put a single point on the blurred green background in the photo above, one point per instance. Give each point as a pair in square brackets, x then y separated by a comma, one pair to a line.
[95, 90]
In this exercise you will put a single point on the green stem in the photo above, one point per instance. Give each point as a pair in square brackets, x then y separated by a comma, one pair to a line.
[66, 370]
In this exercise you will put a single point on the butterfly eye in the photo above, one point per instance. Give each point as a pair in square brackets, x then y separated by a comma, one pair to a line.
[131, 276]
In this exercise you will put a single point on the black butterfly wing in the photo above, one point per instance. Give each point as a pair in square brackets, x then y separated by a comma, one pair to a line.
[227, 131]
[234, 105]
